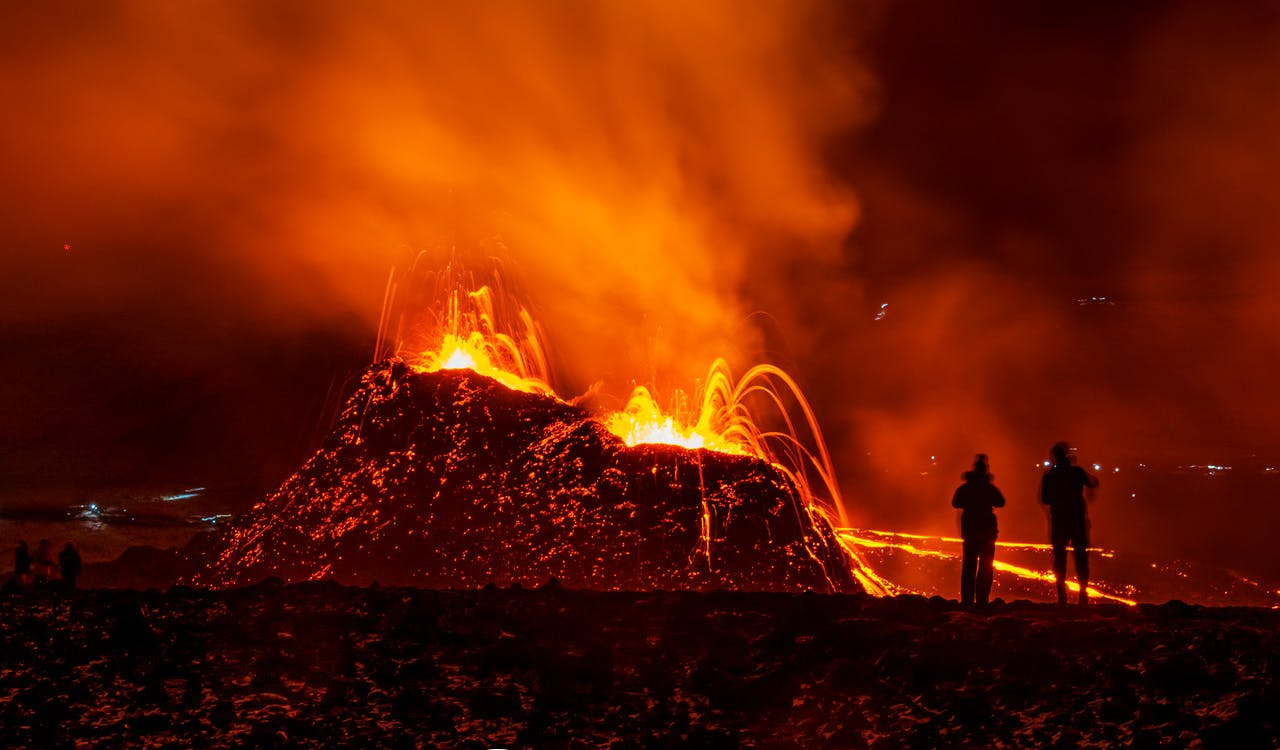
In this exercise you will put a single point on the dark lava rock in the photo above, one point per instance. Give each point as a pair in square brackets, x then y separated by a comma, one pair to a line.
[319, 665]
[450, 479]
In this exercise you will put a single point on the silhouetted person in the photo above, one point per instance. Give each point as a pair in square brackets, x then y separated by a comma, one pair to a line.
[69, 564]
[42, 563]
[1062, 489]
[977, 497]
[22, 564]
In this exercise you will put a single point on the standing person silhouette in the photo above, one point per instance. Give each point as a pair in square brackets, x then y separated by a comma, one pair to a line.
[69, 565]
[1062, 489]
[977, 498]
[42, 564]
[22, 564]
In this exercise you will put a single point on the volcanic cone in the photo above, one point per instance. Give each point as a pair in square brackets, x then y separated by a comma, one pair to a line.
[450, 479]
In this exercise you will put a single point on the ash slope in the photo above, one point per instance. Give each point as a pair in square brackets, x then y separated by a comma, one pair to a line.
[452, 480]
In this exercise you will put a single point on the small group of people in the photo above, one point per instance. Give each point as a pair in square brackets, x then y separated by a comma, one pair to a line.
[41, 569]
[1062, 490]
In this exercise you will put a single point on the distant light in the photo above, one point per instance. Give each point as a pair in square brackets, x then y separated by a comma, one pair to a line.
[883, 312]
[1097, 467]
[66, 247]
[1116, 470]
[93, 508]
[1046, 463]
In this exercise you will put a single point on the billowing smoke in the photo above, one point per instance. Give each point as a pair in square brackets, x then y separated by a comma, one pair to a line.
[230, 173]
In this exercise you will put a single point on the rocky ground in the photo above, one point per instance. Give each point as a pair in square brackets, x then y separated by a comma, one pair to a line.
[319, 665]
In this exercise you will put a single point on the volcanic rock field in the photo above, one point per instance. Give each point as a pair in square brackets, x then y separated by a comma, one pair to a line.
[321, 665]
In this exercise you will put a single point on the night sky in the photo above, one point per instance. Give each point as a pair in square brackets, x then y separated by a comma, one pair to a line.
[203, 202]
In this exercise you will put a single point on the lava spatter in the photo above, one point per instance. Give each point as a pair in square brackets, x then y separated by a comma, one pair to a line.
[450, 479]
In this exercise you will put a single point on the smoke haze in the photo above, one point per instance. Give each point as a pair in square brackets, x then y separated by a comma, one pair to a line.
[1025, 159]
[235, 181]
[242, 173]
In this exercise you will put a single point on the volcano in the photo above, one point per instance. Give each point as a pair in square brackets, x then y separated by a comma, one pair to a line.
[450, 479]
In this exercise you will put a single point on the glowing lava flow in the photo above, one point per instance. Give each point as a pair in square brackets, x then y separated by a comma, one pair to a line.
[871, 539]
[1029, 546]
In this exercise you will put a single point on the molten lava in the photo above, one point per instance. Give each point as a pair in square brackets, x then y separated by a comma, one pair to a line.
[1011, 576]
[439, 477]
[475, 353]
[723, 422]
[472, 337]
[495, 336]
[643, 422]
[450, 479]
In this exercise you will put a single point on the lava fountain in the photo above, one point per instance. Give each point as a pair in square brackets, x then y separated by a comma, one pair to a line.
[455, 464]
